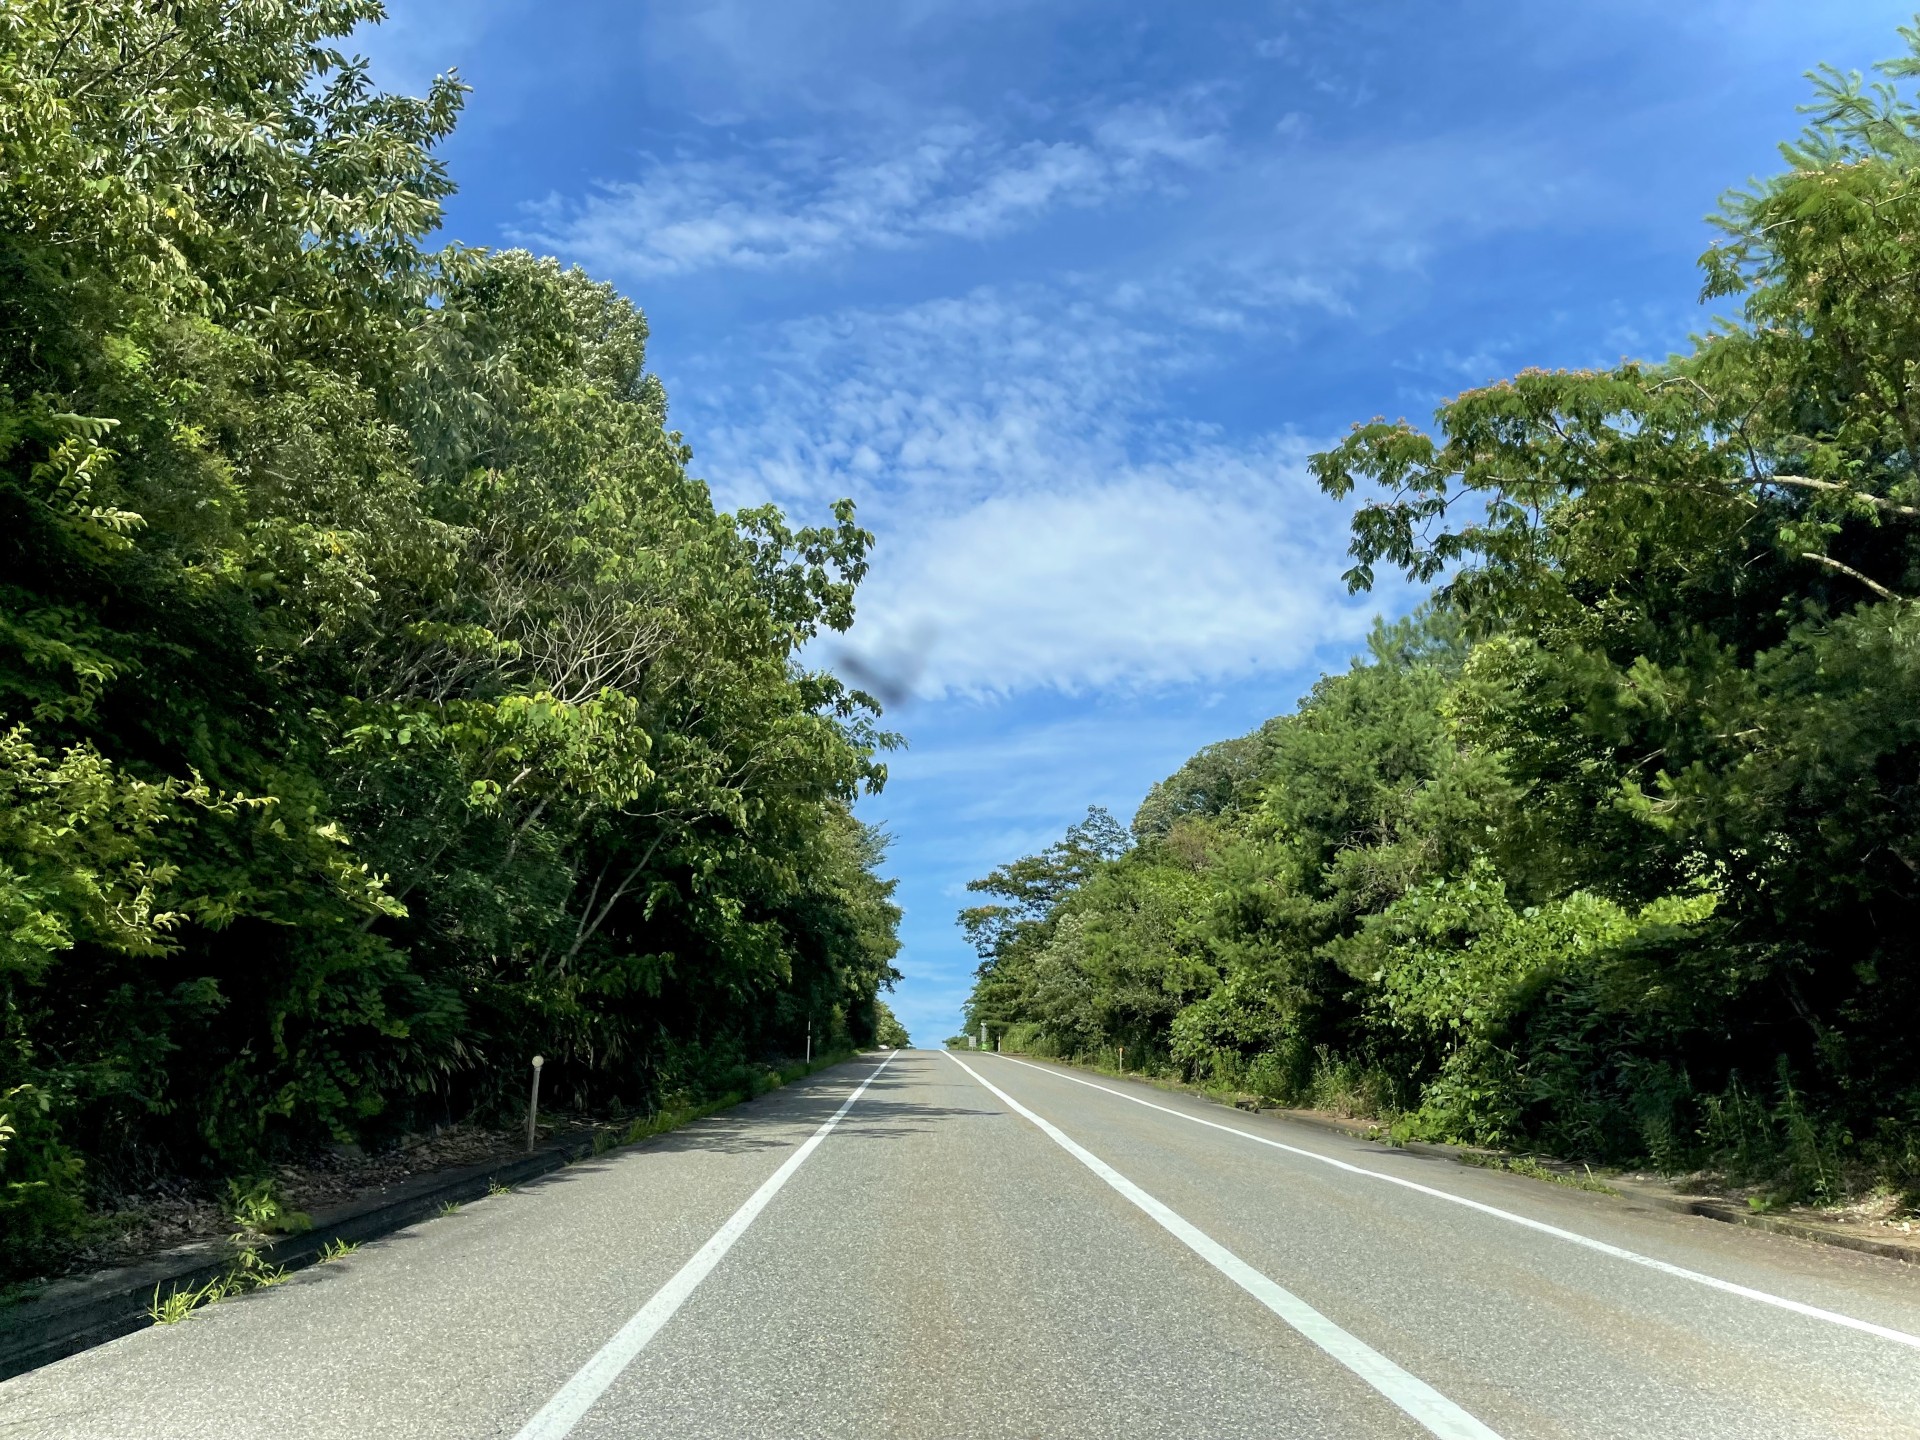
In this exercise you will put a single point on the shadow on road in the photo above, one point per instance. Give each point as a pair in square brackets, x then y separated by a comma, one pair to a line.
[784, 1118]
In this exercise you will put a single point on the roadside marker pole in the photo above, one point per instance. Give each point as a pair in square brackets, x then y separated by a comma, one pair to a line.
[533, 1101]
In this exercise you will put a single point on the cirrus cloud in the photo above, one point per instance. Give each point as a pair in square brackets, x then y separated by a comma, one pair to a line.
[1043, 522]
[786, 204]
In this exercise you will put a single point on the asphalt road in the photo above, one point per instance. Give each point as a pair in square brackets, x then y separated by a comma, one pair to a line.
[984, 1247]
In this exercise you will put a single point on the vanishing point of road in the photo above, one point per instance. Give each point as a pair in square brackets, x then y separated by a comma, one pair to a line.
[932, 1245]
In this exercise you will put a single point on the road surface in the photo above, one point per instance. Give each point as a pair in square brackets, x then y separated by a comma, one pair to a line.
[981, 1246]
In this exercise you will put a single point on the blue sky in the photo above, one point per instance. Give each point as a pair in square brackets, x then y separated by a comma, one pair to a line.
[1063, 294]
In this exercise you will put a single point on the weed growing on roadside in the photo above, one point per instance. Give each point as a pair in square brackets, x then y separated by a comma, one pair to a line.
[450, 1208]
[1531, 1168]
[255, 1204]
[677, 1113]
[182, 1303]
[494, 1187]
[250, 1272]
[19, 1292]
[338, 1250]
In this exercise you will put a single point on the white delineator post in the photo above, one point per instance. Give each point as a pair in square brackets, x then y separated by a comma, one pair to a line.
[809, 1040]
[533, 1100]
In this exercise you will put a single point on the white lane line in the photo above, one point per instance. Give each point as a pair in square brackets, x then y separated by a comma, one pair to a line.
[1832, 1317]
[1426, 1405]
[560, 1414]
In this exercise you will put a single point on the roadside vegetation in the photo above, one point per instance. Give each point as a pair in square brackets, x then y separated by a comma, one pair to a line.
[1611, 851]
[257, 1212]
[887, 1030]
[382, 698]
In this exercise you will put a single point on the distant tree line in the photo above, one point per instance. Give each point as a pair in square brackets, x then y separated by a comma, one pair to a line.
[381, 700]
[1613, 848]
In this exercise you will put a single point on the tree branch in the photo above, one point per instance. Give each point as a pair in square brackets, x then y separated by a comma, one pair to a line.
[585, 931]
[1801, 482]
[1832, 564]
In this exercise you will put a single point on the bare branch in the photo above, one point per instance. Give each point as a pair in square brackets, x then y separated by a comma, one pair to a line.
[1801, 482]
[590, 921]
[1832, 564]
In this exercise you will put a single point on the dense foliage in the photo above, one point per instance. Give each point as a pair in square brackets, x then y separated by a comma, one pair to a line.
[1614, 849]
[381, 701]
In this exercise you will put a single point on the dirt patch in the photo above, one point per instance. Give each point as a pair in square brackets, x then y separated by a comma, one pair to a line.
[1882, 1213]
[341, 1173]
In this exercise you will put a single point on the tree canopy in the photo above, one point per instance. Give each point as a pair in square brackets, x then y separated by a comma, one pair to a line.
[381, 697]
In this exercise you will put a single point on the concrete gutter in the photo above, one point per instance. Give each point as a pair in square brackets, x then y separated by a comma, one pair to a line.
[75, 1314]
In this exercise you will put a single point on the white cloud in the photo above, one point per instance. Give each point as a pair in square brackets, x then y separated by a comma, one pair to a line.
[1042, 523]
[1046, 519]
[955, 399]
[1225, 565]
[789, 205]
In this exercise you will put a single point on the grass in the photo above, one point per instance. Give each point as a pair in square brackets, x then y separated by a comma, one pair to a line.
[182, 1303]
[338, 1250]
[250, 1272]
[1531, 1168]
[452, 1207]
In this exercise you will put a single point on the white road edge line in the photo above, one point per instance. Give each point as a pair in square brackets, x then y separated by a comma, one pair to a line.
[1832, 1317]
[560, 1414]
[1419, 1400]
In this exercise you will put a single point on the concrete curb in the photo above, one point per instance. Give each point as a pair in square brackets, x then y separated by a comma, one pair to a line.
[76, 1314]
[1706, 1208]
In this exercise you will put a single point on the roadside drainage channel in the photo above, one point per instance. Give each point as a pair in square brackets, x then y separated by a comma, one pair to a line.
[76, 1314]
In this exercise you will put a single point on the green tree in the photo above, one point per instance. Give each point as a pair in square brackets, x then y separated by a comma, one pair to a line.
[382, 698]
[1699, 574]
[887, 1030]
